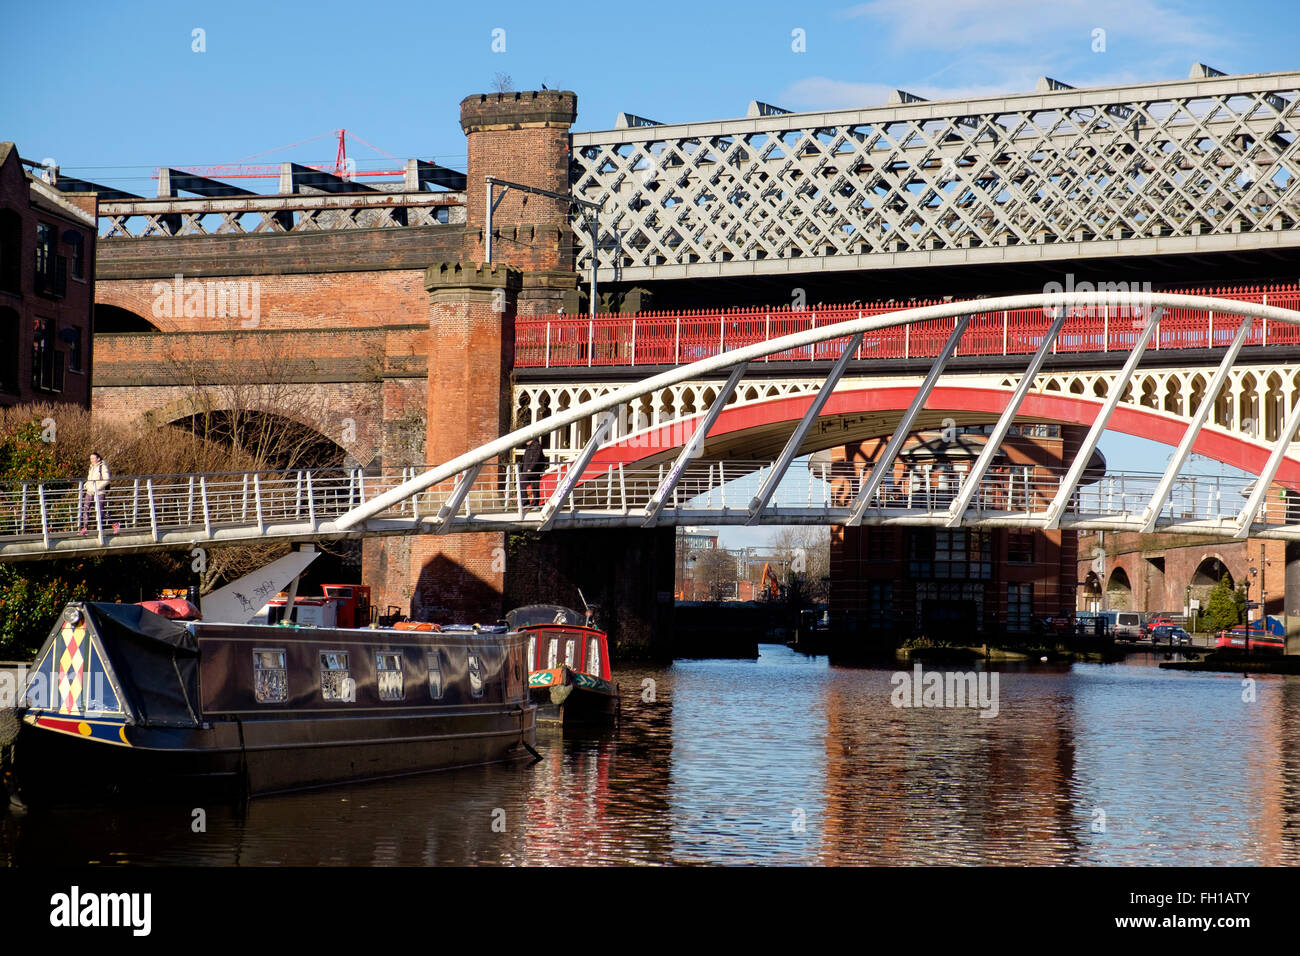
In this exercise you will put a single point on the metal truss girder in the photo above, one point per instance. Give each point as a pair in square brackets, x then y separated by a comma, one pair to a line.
[1179, 457]
[576, 468]
[1080, 463]
[692, 447]
[458, 494]
[791, 448]
[886, 460]
[1266, 477]
[994, 442]
[1061, 166]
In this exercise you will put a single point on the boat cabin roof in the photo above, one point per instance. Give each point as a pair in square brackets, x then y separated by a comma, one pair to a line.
[535, 615]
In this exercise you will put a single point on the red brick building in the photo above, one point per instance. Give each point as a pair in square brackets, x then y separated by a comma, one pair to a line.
[896, 582]
[47, 288]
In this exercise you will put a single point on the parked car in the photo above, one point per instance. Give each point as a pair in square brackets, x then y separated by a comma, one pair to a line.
[1151, 625]
[1128, 626]
[1170, 634]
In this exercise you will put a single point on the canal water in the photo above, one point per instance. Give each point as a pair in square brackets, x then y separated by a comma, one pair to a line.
[787, 760]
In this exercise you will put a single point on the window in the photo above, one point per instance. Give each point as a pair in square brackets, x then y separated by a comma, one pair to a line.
[532, 651]
[1020, 606]
[881, 545]
[950, 591]
[51, 269]
[44, 248]
[979, 552]
[475, 675]
[11, 244]
[388, 670]
[47, 362]
[950, 554]
[72, 336]
[77, 244]
[593, 657]
[1020, 547]
[8, 350]
[881, 608]
[270, 677]
[571, 652]
[920, 553]
[433, 661]
[336, 681]
[553, 653]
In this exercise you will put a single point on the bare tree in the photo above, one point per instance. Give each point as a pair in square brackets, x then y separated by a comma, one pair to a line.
[803, 555]
[250, 408]
[714, 570]
[502, 83]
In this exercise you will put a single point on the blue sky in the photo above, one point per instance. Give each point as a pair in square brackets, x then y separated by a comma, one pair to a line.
[110, 90]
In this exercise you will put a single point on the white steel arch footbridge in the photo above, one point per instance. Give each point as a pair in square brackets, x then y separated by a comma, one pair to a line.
[691, 473]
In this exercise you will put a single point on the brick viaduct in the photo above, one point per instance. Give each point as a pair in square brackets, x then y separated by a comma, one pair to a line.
[395, 343]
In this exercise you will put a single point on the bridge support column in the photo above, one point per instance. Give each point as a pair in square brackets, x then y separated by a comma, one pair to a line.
[629, 573]
[471, 347]
[1292, 606]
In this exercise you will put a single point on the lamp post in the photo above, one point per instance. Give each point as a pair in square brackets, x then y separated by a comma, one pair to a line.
[1253, 572]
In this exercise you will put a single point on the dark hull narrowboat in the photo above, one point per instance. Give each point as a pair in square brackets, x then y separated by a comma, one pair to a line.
[568, 661]
[123, 700]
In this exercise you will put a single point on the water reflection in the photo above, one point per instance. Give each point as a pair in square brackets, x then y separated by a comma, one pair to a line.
[786, 760]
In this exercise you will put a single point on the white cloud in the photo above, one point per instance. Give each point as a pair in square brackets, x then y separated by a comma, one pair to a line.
[966, 24]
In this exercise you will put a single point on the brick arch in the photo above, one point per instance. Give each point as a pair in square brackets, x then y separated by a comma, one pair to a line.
[109, 319]
[136, 297]
[159, 406]
[188, 406]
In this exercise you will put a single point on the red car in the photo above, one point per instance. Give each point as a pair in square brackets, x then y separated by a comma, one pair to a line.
[1251, 640]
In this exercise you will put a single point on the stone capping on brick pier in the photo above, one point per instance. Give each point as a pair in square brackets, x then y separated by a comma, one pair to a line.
[516, 110]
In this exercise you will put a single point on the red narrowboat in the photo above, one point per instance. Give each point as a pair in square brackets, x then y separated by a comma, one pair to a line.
[568, 661]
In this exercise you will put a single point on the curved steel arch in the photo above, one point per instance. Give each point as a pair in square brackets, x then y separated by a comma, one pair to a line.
[474, 459]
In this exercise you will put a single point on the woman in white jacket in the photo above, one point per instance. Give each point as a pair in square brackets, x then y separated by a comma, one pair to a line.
[95, 489]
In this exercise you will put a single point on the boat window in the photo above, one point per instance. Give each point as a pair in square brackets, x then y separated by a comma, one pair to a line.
[475, 675]
[388, 666]
[434, 664]
[570, 652]
[270, 677]
[532, 651]
[553, 653]
[593, 657]
[336, 681]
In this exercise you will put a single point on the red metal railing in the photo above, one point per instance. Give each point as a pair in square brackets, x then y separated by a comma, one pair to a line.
[677, 338]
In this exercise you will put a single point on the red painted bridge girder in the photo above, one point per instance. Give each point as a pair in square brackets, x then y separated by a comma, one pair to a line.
[969, 402]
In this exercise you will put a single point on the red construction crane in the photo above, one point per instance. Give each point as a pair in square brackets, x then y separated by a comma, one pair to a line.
[340, 167]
